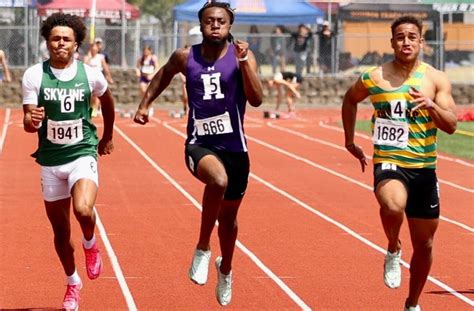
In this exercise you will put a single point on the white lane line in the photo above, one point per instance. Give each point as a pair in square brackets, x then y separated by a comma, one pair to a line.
[338, 224]
[6, 121]
[244, 249]
[323, 142]
[328, 170]
[357, 236]
[115, 265]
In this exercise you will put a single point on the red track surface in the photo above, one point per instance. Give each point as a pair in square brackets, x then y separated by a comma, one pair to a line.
[306, 214]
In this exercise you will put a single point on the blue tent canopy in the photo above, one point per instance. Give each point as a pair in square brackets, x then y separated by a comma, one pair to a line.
[283, 12]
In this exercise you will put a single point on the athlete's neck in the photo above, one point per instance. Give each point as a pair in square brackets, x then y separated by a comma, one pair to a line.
[405, 68]
[59, 64]
[213, 51]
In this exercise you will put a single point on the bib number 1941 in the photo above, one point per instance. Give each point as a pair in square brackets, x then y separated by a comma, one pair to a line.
[65, 132]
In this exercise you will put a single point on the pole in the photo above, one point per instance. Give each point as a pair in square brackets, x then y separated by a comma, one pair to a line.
[124, 59]
[92, 15]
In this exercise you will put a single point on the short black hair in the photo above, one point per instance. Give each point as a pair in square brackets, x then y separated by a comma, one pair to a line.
[68, 20]
[217, 4]
[407, 19]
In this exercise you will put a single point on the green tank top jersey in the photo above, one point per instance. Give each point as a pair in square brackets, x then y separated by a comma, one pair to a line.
[400, 136]
[67, 132]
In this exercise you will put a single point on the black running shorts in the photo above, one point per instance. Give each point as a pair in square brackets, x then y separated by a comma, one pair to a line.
[422, 187]
[236, 164]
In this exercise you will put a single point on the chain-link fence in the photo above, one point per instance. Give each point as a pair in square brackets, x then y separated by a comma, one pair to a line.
[341, 54]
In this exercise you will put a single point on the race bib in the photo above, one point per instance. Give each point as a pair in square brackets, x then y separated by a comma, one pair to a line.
[65, 132]
[147, 69]
[214, 125]
[390, 133]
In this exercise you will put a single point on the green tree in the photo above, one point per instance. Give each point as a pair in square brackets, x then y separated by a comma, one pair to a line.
[161, 9]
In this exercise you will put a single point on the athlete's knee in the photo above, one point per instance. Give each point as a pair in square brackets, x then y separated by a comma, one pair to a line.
[218, 183]
[391, 209]
[424, 246]
[83, 210]
[227, 225]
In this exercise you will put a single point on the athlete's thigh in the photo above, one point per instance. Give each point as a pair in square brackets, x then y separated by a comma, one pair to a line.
[237, 166]
[390, 186]
[84, 181]
[58, 214]
[391, 193]
[204, 163]
[84, 193]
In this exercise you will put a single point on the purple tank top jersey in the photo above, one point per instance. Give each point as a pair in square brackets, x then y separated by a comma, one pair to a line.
[216, 102]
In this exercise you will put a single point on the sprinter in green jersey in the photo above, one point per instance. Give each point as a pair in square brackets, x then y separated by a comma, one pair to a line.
[56, 104]
[411, 101]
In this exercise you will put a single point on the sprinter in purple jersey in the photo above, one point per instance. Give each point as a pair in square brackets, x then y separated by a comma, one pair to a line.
[221, 76]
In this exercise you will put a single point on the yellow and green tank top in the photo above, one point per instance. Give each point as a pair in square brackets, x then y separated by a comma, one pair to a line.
[400, 136]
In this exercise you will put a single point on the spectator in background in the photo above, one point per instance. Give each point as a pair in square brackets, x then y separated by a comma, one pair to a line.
[100, 47]
[301, 41]
[325, 47]
[146, 68]
[254, 44]
[278, 46]
[4, 72]
[96, 60]
[290, 82]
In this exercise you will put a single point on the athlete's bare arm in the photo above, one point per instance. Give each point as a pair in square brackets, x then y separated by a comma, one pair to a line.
[107, 104]
[442, 108]
[252, 85]
[356, 93]
[176, 64]
[3, 61]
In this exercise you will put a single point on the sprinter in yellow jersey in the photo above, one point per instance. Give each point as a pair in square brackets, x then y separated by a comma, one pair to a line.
[411, 101]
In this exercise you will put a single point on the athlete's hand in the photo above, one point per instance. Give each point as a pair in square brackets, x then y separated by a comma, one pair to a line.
[358, 153]
[37, 115]
[106, 146]
[141, 116]
[420, 100]
[241, 48]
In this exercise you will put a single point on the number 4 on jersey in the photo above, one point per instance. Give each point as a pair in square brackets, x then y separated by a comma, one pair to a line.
[398, 108]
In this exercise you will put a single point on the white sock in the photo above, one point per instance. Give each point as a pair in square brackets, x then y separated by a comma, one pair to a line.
[74, 278]
[88, 244]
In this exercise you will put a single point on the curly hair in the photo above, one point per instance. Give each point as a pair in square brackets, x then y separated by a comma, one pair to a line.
[68, 20]
[214, 4]
[407, 20]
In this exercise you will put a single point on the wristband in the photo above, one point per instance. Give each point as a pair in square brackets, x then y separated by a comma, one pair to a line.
[243, 59]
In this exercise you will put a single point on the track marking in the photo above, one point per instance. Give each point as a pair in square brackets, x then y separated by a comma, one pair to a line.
[6, 121]
[115, 265]
[323, 142]
[330, 171]
[186, 194]
[357, 236]
[336, 223]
